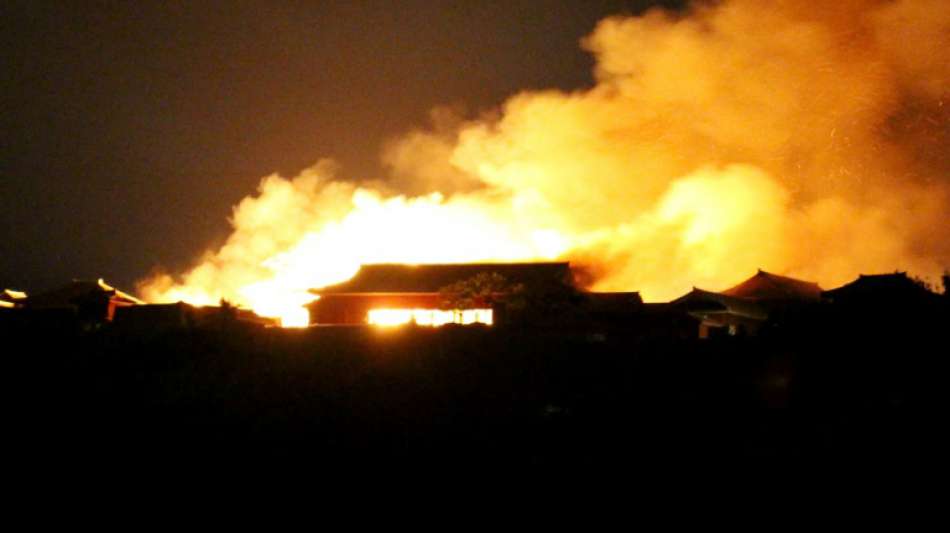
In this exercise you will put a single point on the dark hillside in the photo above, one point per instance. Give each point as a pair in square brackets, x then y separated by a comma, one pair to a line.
[832, 384]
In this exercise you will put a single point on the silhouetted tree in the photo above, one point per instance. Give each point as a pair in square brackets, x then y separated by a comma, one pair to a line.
[485, 289]
[226, 317]
[923, 283]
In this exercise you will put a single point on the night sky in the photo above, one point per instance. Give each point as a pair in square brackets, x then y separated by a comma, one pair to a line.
[130, 129]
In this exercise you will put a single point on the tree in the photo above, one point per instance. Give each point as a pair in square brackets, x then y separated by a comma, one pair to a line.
[923, 283]
[485, 289]
[537, 301]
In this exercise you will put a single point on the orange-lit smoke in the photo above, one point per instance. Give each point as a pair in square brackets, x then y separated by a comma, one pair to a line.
[805, 138]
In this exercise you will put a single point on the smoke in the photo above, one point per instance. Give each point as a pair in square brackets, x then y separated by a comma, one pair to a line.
[810, 139]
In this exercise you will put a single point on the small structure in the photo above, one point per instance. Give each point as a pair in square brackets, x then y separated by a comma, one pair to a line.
[743, 309]
[92, 302]
[79, 305]
[390, 294]
[157, 318]
[150, 318]
[611, 307]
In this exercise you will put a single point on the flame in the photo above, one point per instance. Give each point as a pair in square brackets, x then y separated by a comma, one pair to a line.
[429, 317]
[372, 229]
[807, 140]
[392, 230]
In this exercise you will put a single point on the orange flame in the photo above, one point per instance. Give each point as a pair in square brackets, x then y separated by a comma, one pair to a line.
[809, 140]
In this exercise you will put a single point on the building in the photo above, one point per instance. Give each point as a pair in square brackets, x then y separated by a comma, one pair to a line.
[767, 288]
[157, 318]
[150, 318]
[887, 304]
[85, 305]
[92, 303]
[884, 290]
[436, 294]
[744, 308]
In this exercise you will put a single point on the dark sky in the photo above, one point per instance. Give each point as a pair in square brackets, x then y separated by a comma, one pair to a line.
[130, 129]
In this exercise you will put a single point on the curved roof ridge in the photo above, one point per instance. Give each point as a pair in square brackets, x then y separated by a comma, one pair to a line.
[766, 285]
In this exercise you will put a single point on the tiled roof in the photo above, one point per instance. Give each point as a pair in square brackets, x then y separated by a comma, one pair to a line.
[881, 286]
[766, 286]
[403, 278]
[701, 301]
[69, 294]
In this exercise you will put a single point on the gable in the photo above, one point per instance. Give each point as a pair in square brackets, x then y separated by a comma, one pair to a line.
[766, 286]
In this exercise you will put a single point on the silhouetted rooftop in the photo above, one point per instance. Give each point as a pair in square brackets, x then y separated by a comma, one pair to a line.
[896, 286]
[403, 278]
[699, 300]
[766, 286]
[613, 301]
[69, 294]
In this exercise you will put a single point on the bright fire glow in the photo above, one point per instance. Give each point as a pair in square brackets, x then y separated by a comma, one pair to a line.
[295, 317]
[272, 273]
[15, 295]
[804, 138]
[429, 317]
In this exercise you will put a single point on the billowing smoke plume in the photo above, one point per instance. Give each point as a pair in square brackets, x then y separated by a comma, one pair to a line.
[805, 138]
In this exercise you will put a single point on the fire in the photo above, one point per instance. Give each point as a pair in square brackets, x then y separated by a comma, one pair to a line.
[387, 230]
[808, 140]
[372, 229]
[429, 317]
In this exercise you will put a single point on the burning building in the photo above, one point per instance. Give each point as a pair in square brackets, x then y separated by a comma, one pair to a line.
[809, 136]
[433, 294]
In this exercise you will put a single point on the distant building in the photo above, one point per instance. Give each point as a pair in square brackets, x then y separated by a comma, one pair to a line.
[611, 307]
[156, 318]
[743, 309]
[767, 288]
[92, 302]
[79, 305]
[623, 315]
[433, 294]
[150, 318]
[884, 290]
[11, 299]
[885, 305]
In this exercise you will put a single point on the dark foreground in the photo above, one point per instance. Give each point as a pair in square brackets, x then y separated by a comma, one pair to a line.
[824, 389]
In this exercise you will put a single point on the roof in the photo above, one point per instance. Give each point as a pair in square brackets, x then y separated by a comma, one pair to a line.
[117, 294]
[69, 294]
[896, 286]
[707, 302]
[766, 286]
[403, 278]
[613, 301]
